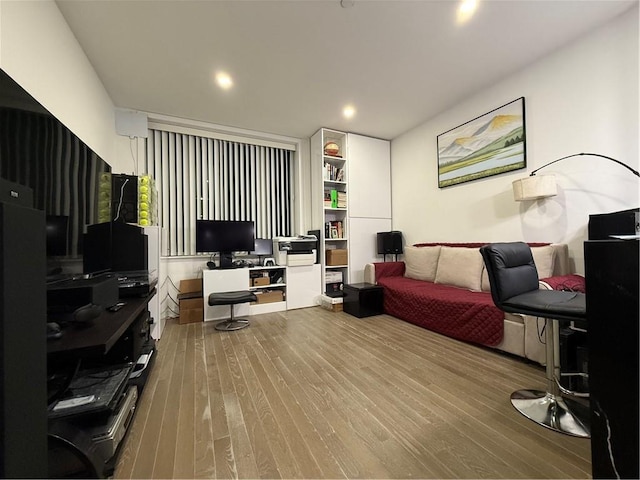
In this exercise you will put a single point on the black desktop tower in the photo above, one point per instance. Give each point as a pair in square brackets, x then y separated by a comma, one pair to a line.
[23, 344]
[389, 242]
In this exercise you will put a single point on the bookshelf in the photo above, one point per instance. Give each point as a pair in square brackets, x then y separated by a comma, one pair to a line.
[330, 203]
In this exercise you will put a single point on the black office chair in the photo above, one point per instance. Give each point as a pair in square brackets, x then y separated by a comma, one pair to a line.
[515, 289]
[232, 298]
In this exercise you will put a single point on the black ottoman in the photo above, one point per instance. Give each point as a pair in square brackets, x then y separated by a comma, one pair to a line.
[232, 298]
[363, 299]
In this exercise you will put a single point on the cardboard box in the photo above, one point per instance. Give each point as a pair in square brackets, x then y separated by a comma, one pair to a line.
[190, 288]
[260, 281]
[337, 256]
[191, 310]
[269, 296]
[190, 301]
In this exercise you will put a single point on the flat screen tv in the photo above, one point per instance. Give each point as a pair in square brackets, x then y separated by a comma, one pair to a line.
[39, 152]
[225, 237]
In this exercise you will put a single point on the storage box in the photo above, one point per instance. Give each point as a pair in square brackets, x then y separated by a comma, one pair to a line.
[191, 310]
[330, 303]
[191, 286]
[337, 256]
[331, 276]
[269, 296]
[333, 289]
[260, 281]
[191, 301]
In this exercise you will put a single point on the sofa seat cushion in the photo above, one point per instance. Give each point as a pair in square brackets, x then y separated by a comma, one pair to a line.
[451, 311]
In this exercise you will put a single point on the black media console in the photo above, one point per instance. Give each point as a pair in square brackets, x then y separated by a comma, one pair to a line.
[94, 383]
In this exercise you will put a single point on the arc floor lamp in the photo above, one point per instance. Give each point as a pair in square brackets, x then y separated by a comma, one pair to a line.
[535, 186]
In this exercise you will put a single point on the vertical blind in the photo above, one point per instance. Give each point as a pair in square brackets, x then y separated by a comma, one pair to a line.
[206, 178]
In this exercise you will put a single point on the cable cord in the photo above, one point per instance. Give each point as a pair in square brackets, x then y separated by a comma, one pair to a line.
[126, 180]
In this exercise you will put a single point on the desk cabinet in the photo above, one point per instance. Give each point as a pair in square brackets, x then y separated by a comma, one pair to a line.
[233, 279]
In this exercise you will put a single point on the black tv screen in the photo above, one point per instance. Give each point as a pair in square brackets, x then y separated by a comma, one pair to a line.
[39, 152]
[225, 237]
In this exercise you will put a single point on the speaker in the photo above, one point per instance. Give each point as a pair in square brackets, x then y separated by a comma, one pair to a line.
[389, 242]
[23, 344]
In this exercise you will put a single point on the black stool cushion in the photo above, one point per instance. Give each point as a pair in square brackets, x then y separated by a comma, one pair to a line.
[231, 298]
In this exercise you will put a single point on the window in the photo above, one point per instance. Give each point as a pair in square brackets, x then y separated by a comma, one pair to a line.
[212, 179]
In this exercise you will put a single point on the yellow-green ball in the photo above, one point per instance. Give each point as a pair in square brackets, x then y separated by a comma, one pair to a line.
[144, 206]
[144, 222]
[143, 189]
[144, 214]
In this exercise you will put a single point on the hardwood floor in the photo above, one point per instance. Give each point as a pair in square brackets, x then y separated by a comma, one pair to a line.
[314, 394]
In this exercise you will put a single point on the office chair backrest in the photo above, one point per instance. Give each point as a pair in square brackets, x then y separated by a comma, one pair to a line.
[510, 268]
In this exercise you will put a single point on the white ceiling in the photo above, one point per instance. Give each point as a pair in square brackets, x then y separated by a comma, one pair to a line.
[295, 64]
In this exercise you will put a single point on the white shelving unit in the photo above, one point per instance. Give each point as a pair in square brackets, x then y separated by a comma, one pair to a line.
[329, 176]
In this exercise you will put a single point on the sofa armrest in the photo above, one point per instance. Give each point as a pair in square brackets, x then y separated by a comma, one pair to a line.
[374, 271]
[571, 282]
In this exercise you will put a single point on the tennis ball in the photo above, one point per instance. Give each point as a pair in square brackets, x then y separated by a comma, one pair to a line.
[143, 189]
[144, 206]
[143, 197]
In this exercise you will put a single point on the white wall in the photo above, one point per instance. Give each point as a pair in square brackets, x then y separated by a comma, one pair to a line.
[583, 98]
[39, 51]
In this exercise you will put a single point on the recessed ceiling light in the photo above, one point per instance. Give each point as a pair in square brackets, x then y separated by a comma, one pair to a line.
[466, 9]
[348, 111]
[224, 80]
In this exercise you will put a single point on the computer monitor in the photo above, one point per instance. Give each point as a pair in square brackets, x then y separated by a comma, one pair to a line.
[264, 246]
[225, 237]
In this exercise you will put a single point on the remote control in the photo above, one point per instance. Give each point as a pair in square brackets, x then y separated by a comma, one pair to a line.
[116, 307]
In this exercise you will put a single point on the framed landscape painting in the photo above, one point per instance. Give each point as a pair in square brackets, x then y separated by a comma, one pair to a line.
[488, 145]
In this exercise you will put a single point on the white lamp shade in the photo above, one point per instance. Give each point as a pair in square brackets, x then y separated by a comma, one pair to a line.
[534, 187]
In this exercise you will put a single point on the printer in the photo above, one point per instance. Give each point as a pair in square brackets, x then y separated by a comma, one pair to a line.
[294, 251]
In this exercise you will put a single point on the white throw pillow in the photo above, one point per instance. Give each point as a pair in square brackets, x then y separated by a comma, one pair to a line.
[543, 258]
[485, 284]
[460, 267]
[421, 262]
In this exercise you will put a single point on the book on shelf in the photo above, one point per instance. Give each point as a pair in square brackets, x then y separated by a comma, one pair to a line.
[327, 199]
[342, 200]
[333, 173]
[334, 199]
[334, 230]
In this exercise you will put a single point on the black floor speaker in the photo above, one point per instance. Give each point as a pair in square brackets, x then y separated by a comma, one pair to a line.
[389, 242]
[23, 344]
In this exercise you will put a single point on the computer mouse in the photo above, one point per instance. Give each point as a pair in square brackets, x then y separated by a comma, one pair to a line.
[86, 313]
[53, 330]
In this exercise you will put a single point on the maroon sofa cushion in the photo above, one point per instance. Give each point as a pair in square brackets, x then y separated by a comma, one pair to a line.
[451, 311]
